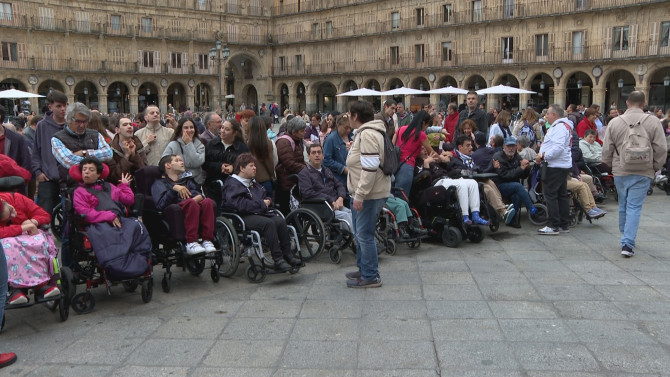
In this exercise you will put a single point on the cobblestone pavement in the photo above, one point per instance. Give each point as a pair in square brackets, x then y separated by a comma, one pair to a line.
[518, 304]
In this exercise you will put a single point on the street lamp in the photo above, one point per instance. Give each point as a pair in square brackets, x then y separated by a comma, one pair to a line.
[666, 81]
[215, 53]
[620, 83]
[579, 84]
[542, 85]
[85, 91]
[476, 86]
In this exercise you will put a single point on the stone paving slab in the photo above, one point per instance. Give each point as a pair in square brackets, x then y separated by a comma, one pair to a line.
[516, 305]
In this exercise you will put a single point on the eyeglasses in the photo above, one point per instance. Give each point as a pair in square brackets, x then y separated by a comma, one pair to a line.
[80, 122]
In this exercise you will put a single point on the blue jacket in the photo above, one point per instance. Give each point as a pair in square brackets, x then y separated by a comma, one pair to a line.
[163, 194]
[43, 160]
[239, 198]
[335, 156]
[315, 185]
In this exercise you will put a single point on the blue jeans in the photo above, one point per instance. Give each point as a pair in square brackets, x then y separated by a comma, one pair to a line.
[632, 191]
[3, 282]
[364, 223]
[515, 192]
[404, 178]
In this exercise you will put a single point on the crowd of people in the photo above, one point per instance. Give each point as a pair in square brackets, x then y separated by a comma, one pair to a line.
[337, 156]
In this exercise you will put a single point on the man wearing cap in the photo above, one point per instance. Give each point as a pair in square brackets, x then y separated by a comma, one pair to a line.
[511, 169]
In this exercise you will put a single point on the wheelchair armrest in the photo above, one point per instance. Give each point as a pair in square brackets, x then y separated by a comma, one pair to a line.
[314, 201]
[11, 183]
[138, 206]
[235, 218]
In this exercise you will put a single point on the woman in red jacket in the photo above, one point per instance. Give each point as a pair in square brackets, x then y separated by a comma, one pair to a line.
[30, 251]
[588, 123]
[450, 121]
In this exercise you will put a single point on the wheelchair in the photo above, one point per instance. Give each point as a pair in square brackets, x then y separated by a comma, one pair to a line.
[86, 269]
[168, 236]
[251, 248]
[317, 228]
[387, 234]
[603, 180]
[63, 275]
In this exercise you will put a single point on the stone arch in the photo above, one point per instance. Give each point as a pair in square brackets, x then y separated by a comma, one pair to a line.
[325, 92]
[250, 96]
[474, 82]
[176, 96]
[118, 97]
[420, 82]
[373, 83]
[348, 85]
[619, 83]
[86, 92]
[659, 92]
[578, 88]
[394, 83]
[147, 94]
[543, 85]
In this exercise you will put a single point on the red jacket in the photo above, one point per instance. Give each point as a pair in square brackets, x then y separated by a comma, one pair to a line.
[450, 122]
[585, 125]
[9, 167]
[25, 209]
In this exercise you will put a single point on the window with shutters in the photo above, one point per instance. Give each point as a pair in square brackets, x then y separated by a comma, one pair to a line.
[420, 20]
[202, 61]
[447, 13]
[5, 11]
[419, 53]
[114, 23]
[476, 10]
[577, 43]
[508, 8]
[620, 38]
[148, 59]
[256, 34]
[315, 30]
[202, 4]
[282, 63]
[580, 5]
[447, 52]
[329, 28]
[202, 28]
[46, 18]
[542, 45]
[175, 59]
[232, 32]
[395, 55]
[507, 49]
[83, 21]
[176, 25]
[395, 20]
[232, 6]
[665, 34]
[118, 55]
[10, 51]
[146, 25]
[298, 62]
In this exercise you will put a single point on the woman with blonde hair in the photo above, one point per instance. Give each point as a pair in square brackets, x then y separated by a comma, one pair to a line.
[529, 125]
[501, 125]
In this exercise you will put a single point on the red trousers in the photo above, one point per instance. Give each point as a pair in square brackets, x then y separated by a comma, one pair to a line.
[198, 219]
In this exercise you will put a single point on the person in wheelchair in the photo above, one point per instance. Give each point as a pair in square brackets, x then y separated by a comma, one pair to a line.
[467, 189]
[246, 197]
[511, 169]
[121, 244]
[29, 250]
[198, 210]
[317, 181]
[593, 151]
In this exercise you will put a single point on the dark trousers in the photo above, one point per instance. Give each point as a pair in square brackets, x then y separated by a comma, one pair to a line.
[555, 189]
[274, 232]
[198, 219]
[48, 195]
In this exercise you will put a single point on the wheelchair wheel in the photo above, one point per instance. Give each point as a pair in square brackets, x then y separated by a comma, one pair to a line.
[67, 291]
[541, 216]
[574, 219]
[391, 247]
[147, 289]
[83, 302]
[165, 284]
[451, 236]
[475, 234]
[255, 274]
[195, 265]
[226, 239]
[214, 273]
[2, 324]
[57, 221]
[335, 255]
[130, 285]
[311, 232]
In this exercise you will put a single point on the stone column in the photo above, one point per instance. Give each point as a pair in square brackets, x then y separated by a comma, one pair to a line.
[292, 102]
[70, 99]
[310, 102]
[102, 103]
[599, 98]
[435, 100]
[523, 100]
[643, 89]
[133, 103]
[492, 101]
[559, 96]
[162, 102]
[190, 100]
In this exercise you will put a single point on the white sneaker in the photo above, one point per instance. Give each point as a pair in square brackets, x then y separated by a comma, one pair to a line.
[209, 246]
[194, 248]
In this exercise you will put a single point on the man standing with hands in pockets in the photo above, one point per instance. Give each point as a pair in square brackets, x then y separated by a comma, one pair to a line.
[369, 187]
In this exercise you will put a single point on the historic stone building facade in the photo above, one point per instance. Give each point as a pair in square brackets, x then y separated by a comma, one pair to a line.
[122, 55]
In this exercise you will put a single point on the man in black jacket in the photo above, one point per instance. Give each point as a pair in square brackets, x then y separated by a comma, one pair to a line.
[511, 169]
[472, 111]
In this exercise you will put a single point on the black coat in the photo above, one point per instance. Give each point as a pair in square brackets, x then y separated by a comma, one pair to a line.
[312, 184]
[216, 155]
[244, 201]
[510, 169]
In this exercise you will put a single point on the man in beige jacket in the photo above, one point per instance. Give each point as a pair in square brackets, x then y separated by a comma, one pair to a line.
[155, 137]
[369, 187]
[632, 178]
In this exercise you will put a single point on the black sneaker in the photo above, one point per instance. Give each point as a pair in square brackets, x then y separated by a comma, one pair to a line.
[353, 275]
[293, 260]
[626, 251]
[360, 283]
[281, 265]
[564, 229]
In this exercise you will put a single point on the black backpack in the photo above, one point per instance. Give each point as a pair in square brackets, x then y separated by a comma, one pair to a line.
[391, 162]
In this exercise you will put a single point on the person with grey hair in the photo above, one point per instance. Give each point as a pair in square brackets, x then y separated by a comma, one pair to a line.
[75, 142]
[404, 118]
[556, 151]
[290, 160]
[213, 124]
[524, 149]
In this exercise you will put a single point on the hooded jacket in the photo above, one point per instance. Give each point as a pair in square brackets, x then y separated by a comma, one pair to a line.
[365, 179]
[43, 160]
[557, 144]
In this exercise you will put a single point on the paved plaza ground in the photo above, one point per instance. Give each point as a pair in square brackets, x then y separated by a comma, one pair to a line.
[518, 304]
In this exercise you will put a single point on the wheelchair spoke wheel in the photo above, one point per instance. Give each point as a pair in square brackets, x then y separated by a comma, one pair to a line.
[311, 232]
[255, 274]
[214, 274]
[475, 234]
[451, 236]
[390, 247]
[227, 241]
[335, 255]
[165, 284]
[541, 216]
[83, 302]
[67, 292]
[195, 265]
[130, 285]
[147, 289]
[57, 221]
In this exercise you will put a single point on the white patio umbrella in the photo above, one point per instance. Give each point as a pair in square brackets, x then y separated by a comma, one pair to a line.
[402, 91]
[448, 90]
[503, 89]
[17, 94]
[362, 92]
[230, 96]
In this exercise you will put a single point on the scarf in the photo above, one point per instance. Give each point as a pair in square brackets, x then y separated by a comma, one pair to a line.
[467, 160]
